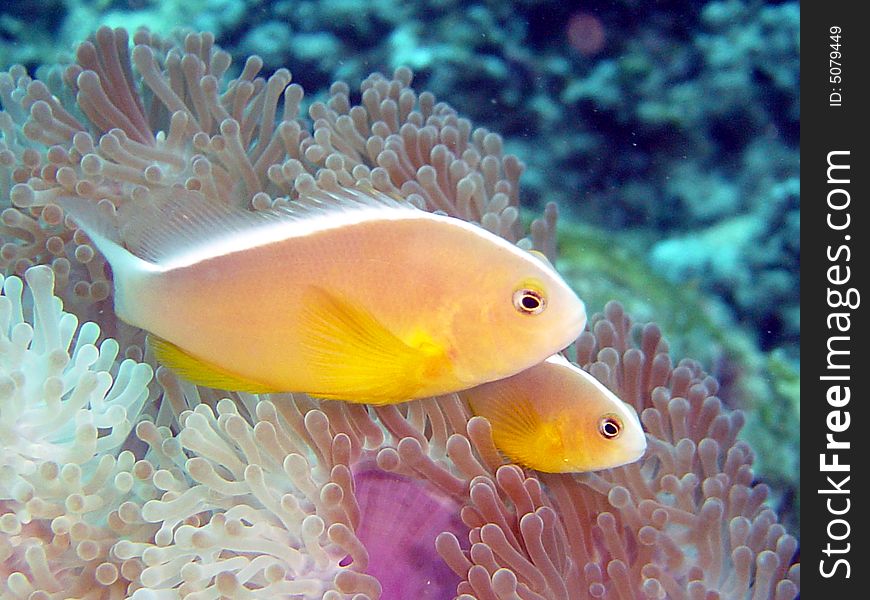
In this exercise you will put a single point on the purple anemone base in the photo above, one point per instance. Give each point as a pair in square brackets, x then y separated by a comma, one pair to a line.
[400, 518]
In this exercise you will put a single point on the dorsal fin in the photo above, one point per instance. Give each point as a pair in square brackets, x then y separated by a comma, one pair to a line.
[355, 198]
[171, 221]
[178, 222]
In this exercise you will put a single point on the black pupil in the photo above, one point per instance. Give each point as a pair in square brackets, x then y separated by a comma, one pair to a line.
[610, 428]
[530, 302]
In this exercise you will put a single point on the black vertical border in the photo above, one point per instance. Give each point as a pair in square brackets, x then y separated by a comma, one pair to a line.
[827, 127]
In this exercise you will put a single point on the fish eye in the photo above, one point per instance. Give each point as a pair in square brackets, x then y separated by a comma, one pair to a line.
[610, 427]
[529, 301]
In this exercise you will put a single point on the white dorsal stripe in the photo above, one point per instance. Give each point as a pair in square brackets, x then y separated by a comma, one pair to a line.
[179, 227]
[183, 228]
[268, 232]
[264, 234]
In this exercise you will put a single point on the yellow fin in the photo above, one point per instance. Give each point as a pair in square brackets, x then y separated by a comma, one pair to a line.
[355, 358]
[518, 429]
[200, 372]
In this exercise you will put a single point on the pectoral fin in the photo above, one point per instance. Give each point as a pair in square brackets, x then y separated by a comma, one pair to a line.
[201, 372]
[354, 357]
[518, 429]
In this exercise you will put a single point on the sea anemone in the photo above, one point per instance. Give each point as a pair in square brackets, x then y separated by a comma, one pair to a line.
[400, 544]
[117, 125]
[232, 494]
[66, 409]
[250, 508]
[686, 521]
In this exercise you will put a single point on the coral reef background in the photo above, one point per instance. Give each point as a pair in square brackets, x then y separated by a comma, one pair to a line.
[667, 133]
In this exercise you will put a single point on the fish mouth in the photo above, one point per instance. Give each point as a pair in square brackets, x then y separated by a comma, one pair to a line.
[641, 448]
[638, 451]
[628, 459]
[573, 331]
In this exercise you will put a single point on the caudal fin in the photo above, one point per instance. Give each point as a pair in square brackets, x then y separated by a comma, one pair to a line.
[98, 222]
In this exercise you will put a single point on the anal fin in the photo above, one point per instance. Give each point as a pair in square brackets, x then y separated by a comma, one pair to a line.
[201, 372]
